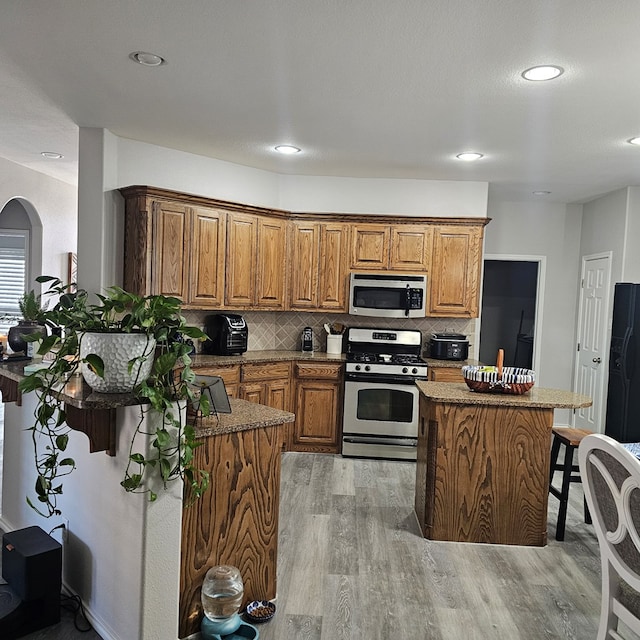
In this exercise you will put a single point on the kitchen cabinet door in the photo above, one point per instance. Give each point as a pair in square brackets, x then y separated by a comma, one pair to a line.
[454, 282]
[318, 404]
[270, 269]
[410, 248]
[208, 237]
[170, 250]
[370, 246]
[242, 231]
[333, 278]
[303, 266]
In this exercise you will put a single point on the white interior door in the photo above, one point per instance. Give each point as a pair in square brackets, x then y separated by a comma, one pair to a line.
[593, 333]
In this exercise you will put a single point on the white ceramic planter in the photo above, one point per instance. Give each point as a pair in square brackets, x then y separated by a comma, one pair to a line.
[116, 350]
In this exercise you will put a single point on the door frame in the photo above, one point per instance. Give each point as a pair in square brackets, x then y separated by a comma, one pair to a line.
[607, 337]
[542, 269]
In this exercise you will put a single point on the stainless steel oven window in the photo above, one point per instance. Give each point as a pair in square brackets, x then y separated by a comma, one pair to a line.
[373, 417]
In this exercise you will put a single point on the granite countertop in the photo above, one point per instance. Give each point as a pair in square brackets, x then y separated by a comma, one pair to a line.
[459, 393]
[244, 415]
[202, 360]
[450, 364]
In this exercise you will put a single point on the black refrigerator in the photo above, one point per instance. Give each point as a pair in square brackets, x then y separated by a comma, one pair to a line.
[623, 397]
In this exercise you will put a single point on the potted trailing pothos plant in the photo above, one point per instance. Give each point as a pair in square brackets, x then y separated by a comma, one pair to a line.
[158, 319]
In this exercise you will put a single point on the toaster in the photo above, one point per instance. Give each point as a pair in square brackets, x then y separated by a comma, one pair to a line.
[228, 334]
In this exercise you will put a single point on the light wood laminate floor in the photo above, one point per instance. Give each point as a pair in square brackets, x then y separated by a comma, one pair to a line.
[352, 565]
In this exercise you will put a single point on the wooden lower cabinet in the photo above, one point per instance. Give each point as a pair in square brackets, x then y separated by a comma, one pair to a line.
[268, 383]
[318, 407]
[311, 390]
[230, 375]
[445, 374]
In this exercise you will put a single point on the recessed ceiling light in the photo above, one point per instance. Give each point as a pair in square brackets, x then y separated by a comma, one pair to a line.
[469, 156]
[541, 193]
[52, 155]
[634, 140]
[287, 149]
[147, 59]
[542, 72]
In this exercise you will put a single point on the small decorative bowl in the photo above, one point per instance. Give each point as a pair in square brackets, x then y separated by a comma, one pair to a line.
[514, 380]
[260, 610]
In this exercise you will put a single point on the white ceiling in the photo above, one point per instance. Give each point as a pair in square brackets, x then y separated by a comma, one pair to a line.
[367, 88]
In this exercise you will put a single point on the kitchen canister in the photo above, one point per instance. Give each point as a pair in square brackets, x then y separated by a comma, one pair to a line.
[334, 343]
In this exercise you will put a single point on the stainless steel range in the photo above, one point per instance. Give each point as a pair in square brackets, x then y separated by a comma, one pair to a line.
[380, 418]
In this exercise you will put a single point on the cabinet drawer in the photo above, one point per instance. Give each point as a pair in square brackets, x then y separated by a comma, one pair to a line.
[265, 371]
[230, 374]
[445, 374]
[318, 371]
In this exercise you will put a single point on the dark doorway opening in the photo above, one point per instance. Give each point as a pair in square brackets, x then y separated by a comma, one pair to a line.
[508, 311]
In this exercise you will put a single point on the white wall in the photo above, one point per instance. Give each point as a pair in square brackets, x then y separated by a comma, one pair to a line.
[146, 164]
[54, 202]
[551, 230]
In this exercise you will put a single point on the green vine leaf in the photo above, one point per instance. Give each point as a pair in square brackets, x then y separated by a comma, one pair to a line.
[95, 364]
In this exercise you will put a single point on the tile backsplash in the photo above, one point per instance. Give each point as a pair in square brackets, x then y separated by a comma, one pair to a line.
[281, 330]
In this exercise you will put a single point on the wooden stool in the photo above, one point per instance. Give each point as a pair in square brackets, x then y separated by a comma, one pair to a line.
[571, 439]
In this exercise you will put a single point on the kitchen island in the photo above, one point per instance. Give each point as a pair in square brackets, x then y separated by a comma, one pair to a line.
[482, 473]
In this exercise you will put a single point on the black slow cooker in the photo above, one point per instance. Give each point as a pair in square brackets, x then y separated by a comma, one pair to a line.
[449, 346]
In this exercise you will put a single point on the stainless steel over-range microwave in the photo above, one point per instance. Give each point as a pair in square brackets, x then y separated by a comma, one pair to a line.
[388, 295]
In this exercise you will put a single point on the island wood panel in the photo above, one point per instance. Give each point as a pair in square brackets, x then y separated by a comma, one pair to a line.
[236, 521]
[486, 473]
[410, 248]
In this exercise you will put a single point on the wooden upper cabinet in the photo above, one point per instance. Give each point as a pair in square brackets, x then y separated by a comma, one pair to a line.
[318, 266]
[305, 252]
[370, 246]
[333, 277]
[256, 253]
[170, 248]
[410, 247]
[454, 287]
[206, 286]
[400, 248]
[271, 258]
[242, 233]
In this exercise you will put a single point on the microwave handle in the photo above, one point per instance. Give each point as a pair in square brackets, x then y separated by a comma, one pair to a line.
[407, 301]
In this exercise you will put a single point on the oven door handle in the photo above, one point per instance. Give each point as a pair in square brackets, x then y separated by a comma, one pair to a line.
[399, 442]
[382, 379]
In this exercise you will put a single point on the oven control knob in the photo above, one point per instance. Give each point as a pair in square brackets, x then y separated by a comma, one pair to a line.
[357, 367]
[405, 370]
[367, 367]
[414, 370]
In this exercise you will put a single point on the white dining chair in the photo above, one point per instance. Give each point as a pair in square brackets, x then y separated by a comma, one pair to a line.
[611, 480]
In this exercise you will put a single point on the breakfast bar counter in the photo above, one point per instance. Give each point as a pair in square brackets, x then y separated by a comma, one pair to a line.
[482, 473]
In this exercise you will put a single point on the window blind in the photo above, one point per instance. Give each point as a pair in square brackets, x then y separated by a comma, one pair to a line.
[12, 278]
